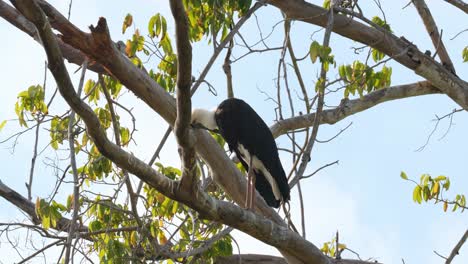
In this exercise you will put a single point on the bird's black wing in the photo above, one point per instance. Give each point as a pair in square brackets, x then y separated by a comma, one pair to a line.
[263, 146]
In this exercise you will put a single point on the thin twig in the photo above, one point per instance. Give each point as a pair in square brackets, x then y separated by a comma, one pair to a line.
[319, 169]
[323, 77]
[76, 185]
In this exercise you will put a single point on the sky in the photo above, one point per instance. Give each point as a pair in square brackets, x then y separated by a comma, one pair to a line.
[363, 197]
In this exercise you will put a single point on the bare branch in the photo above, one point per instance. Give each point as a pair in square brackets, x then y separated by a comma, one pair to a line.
[460, 4]
[25, 260]
[351, 107]
[457, 247]
[227, 70]
[433, 31]
[321, 95]
[76, 183]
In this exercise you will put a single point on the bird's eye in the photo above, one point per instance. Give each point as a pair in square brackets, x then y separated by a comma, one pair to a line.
[197, 125]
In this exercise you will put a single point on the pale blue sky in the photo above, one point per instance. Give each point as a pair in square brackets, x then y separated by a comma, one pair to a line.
[363, 197]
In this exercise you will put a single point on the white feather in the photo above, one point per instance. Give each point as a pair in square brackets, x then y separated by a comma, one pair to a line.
[205, 118]
[258, 165]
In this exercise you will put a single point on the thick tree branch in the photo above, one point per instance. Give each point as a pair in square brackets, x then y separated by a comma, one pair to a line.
[397, 48]
[184, 103]
[351, 107]
[250, 259]
[433, 31]
[266, 259]
[460, 4]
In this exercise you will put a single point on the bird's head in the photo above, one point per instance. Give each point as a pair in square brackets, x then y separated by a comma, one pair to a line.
[205, 119]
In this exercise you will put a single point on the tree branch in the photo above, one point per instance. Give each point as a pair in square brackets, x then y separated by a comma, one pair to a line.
[433, 31]
[266, 259]
[456, 249]
[184, 104]
[351, 107]
[76, 183]
[460, 4]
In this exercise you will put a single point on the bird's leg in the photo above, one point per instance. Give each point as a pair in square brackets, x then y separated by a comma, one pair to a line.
[249, 187]
[252, 191]
[247, 197]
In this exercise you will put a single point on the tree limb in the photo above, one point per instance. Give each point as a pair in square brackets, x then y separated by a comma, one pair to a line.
[460, 4]
[184, 103]
[433, 31]
[456, 249]
[351, 107]
[266, 259]
[76, 183]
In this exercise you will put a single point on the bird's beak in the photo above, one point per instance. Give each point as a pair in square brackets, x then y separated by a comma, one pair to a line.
[200, 126]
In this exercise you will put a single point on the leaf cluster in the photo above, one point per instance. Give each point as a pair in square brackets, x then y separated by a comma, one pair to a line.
[361, 78]
[432, 188]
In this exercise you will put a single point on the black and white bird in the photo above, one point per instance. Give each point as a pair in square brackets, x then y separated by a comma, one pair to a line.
[250, 138]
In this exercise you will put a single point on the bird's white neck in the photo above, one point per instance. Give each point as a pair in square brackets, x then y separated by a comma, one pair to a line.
[205, 118]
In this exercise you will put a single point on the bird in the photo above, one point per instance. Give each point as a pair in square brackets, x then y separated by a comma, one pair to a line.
[250, 138]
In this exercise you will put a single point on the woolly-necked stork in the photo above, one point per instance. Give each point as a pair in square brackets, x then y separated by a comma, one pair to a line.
[250, 138]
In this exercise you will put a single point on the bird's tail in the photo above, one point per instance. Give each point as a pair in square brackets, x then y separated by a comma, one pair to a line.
[264, 188]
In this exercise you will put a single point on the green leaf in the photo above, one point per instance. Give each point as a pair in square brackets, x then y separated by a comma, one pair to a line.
[465, 54]
[95, 226]
[164, 26]
[403, 175]
[440, 178]
[426, 193]
[314, 51]
[125, 136]
[127, 22]
[377, 55]
[446, 184]
[342, 72]
[377, 20]
[2, 125]
[158, 25]
[70, 202]
[435, 188]
[151, 24]
[417, 194]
